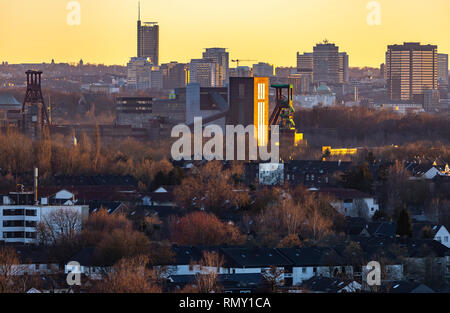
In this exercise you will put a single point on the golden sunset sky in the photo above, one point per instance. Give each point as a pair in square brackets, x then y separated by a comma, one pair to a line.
[265, 30]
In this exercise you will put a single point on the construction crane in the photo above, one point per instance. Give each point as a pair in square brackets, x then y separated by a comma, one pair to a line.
[237, 61]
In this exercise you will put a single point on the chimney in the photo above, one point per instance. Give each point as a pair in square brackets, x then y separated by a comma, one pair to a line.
[36, 177]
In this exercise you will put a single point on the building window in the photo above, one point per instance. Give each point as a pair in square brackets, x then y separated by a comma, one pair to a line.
[31, 213]
[303, 270]
[446, 239]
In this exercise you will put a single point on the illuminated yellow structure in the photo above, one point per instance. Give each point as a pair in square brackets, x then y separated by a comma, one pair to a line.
[261, 110]
[342, 151]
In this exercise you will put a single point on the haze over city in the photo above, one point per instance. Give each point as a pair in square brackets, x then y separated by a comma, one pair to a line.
[264, 30]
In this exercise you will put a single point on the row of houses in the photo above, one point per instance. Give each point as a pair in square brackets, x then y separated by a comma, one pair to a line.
[247, 269]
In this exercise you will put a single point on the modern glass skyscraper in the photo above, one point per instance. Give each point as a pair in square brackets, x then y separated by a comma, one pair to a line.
[148, 40]
[221, 57]
[411, 69]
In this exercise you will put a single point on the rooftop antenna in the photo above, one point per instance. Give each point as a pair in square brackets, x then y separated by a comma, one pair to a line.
[139, 10]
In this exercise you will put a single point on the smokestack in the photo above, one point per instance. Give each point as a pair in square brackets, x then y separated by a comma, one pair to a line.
[36, 177]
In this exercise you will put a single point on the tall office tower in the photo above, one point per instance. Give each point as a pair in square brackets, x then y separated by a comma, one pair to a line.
[148, 40]
[305, 67]
[204, 72]
[442, 68]
[221, 57]
[411, 69]
[138, 73]
[262, 70]
[343, 67]
[174, 75]
[326, 63]
[249, 105]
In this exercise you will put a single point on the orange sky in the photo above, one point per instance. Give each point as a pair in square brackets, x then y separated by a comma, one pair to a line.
[265, 30]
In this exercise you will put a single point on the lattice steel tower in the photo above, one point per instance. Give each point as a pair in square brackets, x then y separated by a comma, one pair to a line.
[35, 114]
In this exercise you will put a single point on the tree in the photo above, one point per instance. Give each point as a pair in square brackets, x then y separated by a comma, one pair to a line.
[397, 180]
[210, 188]
[273, 276]
[359, 178]
[122, 243]
[290, 241]
[203, 228]
[10, 271]
[59, 230]
[210, 265]
[404, 226]
[129, 275]
[59, 226]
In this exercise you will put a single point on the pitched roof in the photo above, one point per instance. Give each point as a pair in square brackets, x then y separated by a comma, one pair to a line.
[344, 193]
[254, 257]
[408, 287]
[325, 284]
[9, 101]
[312, 256]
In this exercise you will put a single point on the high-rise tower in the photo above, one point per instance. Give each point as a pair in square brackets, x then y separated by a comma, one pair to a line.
[147, 39]
[411, 69]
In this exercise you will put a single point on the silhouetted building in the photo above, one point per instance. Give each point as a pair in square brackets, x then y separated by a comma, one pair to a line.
[249, 104]
[221, 57]
[262, 70]
[138, 73]
[442, 69]
[326, 63]
[431, 100]
[134, 111]
[174, 75]
[148, 40]
[411, 69]
[205, 72]
[343, 67]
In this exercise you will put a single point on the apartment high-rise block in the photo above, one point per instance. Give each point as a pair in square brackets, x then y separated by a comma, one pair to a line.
[411, 69]
[221, 57]
[442, 68]
[174, 75]
[148, 40]
[138, 73]
[343, 67]
[326, 63]
[305, 62]
[205, 72]
[305, 67]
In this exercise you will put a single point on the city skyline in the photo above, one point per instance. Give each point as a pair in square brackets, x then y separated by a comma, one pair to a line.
[109, 38]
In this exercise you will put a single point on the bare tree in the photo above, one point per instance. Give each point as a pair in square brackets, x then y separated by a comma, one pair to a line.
[209, 270]
[129, 275]
[11, 271]
[273, 277]
[59, 226]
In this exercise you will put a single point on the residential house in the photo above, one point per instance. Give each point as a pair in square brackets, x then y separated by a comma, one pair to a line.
[351, 202]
